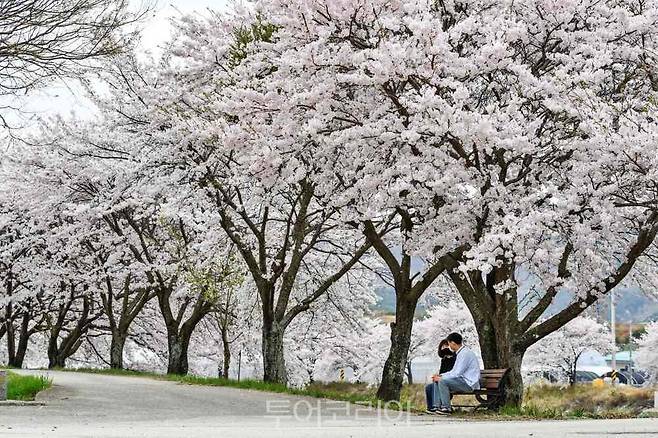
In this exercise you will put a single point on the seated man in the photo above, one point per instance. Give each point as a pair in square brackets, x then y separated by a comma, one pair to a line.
[464, 377]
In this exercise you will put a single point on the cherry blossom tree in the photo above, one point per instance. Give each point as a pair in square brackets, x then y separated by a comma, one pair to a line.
[360, 347]
[222, 283]
[647, 351]
[560, 351]
[21, 315]
[294, 247]
[114, 238]
[56, 297]
[493, 131]
[335, 333]
[72, 313]
[38, 274]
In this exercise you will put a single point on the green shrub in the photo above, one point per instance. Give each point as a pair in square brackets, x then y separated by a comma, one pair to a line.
[25, 387]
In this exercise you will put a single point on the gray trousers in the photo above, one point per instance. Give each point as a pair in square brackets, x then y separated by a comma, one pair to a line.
[438, 394]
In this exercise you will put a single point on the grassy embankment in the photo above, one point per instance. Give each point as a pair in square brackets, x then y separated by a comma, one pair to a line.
[21, 387]
[540, 401]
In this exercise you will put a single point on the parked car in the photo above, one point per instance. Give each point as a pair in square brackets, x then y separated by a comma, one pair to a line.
[626, 377]
[585, 376]
[637, 378]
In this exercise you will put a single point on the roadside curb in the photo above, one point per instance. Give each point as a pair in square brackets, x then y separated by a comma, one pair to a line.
[21, 403]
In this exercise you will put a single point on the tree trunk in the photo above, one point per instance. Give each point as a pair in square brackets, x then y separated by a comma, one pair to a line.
[499, 351]
[179, 333]
[117, 345]
[514, 386]
[178, 346]
[55, 358]
[178, 340]
[17, 356]
[56, 361]
[394, 367]
[410, 376]
[227, 353]
[496, 320]
[59, 350]
[274, 364]
[52, 347]
[487, 339]
[11, 345]
[57, 355]
[572, 375]
[9, 330]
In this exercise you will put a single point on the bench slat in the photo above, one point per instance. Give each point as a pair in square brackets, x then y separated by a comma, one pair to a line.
[483, 377]
[490, 381]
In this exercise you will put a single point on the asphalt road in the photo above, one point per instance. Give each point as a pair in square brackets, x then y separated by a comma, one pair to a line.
[87, 405]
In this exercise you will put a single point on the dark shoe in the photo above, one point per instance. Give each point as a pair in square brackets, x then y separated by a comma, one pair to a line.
[431, 410]
[444, 411]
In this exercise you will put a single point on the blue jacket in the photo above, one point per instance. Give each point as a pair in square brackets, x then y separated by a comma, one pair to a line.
[467, 366]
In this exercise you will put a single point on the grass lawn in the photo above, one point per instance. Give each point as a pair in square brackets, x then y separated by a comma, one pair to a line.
[540, 401]
[25, 387]
[586, 401]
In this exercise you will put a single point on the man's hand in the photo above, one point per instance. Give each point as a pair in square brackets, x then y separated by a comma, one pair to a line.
[436, 378]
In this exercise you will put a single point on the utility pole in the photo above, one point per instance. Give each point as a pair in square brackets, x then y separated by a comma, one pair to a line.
[612, 326]
[239, 363]
[630, 346]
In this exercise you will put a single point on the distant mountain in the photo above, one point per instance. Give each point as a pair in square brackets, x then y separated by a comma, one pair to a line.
[632, 305]
[385, 301]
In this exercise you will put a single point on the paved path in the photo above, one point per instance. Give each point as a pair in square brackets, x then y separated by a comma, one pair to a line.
[87, 405]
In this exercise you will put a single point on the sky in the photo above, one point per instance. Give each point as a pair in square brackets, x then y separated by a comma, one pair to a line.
[65, 98]
[157, 30]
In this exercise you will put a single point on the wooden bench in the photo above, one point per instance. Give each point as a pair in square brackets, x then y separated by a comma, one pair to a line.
[491, 394]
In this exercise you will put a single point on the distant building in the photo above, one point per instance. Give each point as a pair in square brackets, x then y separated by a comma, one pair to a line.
[624, 360]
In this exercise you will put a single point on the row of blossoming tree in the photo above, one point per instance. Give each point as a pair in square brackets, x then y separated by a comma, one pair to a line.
[286, 156]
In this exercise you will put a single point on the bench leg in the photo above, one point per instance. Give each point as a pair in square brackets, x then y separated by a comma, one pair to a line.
[491, 402]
